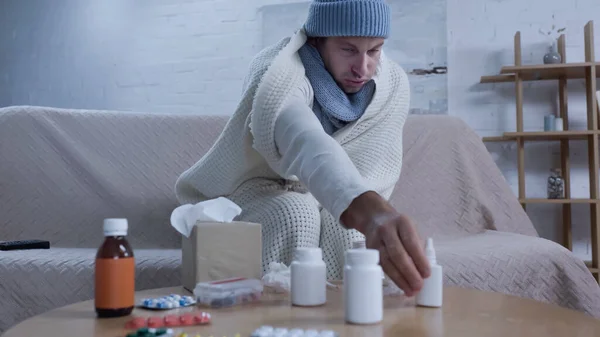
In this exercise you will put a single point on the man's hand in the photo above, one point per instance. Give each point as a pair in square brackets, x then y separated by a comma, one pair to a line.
[402, 255]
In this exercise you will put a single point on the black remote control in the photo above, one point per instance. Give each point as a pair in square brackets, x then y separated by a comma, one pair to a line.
[24, 244]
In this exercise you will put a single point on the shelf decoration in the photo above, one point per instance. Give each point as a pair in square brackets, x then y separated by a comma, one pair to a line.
[552, 56]
[549, 122]
[556, 185]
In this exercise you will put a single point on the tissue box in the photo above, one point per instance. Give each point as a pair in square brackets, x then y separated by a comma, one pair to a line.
[220, 250]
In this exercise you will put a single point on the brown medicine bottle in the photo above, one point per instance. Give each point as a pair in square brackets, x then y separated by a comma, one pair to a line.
[114, 290]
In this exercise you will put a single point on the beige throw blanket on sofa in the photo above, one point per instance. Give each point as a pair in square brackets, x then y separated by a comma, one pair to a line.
[455, 192]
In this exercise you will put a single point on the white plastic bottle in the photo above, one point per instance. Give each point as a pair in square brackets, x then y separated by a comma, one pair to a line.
[308, 277]
[386, 280]
[431, 294]
[363, 289]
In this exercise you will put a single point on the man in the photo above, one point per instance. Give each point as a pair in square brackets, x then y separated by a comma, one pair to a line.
[314, 149]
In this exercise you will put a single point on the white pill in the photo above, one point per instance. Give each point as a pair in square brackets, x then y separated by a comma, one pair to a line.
[295, 333]
[266, 328]
[261, 333]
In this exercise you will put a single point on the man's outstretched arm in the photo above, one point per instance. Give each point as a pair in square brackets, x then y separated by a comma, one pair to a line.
[325, 168]
[317, 159]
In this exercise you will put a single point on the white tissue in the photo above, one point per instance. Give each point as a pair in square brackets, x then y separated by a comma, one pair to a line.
[221, 209]
[278, 278]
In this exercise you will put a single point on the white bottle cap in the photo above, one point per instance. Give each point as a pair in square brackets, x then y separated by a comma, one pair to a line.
[362, 256]
[115, 227]
[359, 244]
[308, 254]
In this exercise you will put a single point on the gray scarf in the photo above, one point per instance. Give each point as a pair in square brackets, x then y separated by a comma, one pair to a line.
[332, 105]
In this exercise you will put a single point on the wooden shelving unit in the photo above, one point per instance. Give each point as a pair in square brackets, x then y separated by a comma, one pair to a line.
[589, 71]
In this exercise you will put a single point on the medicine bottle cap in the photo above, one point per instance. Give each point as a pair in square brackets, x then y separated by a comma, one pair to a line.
[362, 256]
[359, 244]
[308, 254]
[115, 227]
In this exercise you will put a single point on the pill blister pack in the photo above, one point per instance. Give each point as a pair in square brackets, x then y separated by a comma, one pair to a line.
[167, 302]
[269, 331]
[185, 334]
[186, 319]
[228, 292]
[151, 332]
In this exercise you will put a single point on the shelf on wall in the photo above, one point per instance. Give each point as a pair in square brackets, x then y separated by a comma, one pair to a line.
[552, 135]
[542, 135]
[541, 72]
[552, 71]
[558, 201]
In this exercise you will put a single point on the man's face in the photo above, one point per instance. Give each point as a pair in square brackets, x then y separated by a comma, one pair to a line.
[352, 61]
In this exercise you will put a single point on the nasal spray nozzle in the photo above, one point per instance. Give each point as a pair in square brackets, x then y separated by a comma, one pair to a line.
[431, 293]
[430, 251]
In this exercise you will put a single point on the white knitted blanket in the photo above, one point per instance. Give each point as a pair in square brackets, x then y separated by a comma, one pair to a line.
[246, 149]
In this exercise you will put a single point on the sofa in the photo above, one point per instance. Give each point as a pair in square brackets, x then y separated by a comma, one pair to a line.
[62, 171]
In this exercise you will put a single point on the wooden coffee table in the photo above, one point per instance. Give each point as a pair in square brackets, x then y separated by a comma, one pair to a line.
[465, 313]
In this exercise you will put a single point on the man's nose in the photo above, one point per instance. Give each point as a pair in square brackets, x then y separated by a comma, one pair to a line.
[360, 66]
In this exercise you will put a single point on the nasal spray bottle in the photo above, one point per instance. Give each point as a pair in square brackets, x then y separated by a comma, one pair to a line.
[431, 294]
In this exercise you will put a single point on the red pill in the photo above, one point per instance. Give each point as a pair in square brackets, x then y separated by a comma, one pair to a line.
[155, 322]
[171, 320]
[186, 319]
[136, 323]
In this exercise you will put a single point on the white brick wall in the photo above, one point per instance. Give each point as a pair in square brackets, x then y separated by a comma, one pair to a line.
[178, 56]
[185, 56]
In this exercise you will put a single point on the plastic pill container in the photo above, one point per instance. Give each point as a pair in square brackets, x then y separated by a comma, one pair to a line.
[308, 277]
[227, 292]
[363, 289]
[386, 281]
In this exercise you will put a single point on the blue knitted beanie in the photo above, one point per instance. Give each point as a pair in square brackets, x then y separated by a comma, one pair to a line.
[368, 18]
